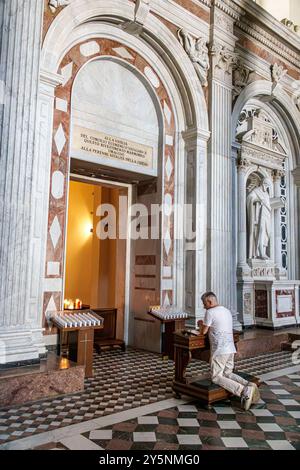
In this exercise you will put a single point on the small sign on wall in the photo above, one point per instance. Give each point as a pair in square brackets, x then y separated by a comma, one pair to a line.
[110, 147]
[285, 305]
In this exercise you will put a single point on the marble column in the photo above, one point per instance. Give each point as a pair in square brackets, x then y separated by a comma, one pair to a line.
[277, 175]
[20, 275]
[220, 259]
[242, 167]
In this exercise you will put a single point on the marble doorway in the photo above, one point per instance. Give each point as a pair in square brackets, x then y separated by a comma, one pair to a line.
[97, 261]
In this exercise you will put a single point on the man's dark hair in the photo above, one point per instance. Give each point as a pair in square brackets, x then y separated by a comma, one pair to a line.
[207, 295]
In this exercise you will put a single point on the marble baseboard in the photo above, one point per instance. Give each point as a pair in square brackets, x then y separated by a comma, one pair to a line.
[53, 376]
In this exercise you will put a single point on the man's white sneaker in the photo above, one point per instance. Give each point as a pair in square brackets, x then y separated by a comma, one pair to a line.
[256, 395]
[247, 397]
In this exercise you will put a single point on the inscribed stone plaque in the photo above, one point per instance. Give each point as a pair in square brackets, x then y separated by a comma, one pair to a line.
[116, 148]
[285, 303]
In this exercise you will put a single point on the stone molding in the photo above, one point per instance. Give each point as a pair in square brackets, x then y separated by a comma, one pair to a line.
[275, 45]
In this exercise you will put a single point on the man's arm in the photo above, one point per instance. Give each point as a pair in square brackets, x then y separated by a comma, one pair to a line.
[203, 328]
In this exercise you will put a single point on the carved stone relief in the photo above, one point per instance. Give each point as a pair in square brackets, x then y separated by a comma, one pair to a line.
[197, 50]
[247, 307]
[240, 78]
[277, 74]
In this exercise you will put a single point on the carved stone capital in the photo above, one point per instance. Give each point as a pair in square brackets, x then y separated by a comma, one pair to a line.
[225, 59]
[278, 174]
[242, 164]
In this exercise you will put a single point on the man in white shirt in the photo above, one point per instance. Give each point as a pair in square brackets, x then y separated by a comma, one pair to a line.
[218, 323]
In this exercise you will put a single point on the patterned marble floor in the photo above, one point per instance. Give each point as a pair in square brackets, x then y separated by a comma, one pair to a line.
[272, 424]
[122, 381]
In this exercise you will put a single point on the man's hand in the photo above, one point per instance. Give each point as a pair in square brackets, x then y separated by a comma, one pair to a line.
[202, 328]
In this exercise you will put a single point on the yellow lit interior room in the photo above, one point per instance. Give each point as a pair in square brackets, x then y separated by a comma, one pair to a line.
[93, 267]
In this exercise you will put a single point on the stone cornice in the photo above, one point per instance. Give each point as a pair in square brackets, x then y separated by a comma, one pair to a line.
[268, 40]
[49, 78]
[259, 24]
[193, 133]
[180, 17]
[207, 3]
[229, 7]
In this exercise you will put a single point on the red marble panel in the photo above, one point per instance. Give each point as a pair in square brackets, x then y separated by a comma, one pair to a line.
[261, 304]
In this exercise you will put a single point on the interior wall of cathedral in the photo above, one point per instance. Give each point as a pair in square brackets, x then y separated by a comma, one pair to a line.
[189, 70]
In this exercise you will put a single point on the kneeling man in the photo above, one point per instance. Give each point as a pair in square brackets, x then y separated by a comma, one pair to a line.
[218, 323]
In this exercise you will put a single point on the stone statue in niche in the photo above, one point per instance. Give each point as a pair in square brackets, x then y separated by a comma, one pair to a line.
[197, 51]
[259, 212]
[54, 4]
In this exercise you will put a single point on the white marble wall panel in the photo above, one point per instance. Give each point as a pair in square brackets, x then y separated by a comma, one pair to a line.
[112, 99]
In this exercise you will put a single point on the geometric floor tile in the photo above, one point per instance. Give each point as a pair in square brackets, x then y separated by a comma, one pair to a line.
[235, 442]
[144, 437]
[101, 435]
[280, 445]
[289, 402]
[228, 425]
[261, 412]
[294, 414]
[187, 422]
[224, 410]
[188, 439]
[270, 427]
[279, 391]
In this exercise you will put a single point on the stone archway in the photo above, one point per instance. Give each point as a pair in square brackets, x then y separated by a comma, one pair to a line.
[177, 75]
[74, 60]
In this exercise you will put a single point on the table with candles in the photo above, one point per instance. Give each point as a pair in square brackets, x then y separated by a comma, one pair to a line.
[76, 335]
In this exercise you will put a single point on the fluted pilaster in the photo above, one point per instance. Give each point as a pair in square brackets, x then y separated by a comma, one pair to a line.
[19, 71]
[220, 220]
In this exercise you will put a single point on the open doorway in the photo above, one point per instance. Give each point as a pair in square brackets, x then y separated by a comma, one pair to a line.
[96, 268]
